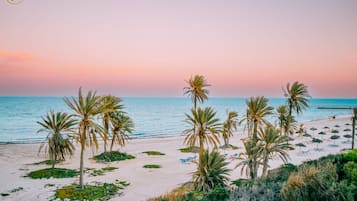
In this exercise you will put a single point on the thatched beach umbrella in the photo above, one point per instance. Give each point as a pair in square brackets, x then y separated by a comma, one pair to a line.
[347, 130]
[334, 131]
[317, 141]
[334, 137]
[337, 126]
[322, 133]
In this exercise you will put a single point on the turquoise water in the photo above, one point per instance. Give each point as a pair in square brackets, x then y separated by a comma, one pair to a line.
[152, 116]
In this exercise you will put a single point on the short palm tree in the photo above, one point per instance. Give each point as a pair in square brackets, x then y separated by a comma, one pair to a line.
[113, 105]
[354, 119]
[86, 110]
[197, 89]
[58, 126]
[205, 128]
[229, 126]
[122, 125]
[297, 95]
[283, 114]
[271, 143]
[248, 158]
[211, 171]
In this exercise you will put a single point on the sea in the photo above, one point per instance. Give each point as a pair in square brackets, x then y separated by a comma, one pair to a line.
[153, 117]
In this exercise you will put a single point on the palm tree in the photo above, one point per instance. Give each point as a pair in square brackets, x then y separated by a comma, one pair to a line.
[272, 143]
[86, 109]
[229, 126]
[354, 118]
[205, 128]
[113, 105]
[248, 159]
[122, 124]
[211, 171]
[57, 125]
[257, 110]
[297, 95]
[283, 114]
[197, 89]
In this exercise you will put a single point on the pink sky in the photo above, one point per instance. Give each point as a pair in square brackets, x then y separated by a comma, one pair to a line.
[149, 48]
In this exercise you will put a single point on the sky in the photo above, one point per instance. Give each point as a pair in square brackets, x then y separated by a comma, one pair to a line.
[150, 48]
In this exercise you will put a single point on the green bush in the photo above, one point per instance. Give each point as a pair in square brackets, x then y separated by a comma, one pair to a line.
[350, 156]
[218, 193]
[90, 192]
[55, 173]
[153, 153]
[113, 156]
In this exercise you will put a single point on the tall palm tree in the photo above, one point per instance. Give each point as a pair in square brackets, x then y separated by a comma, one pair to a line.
[297, 97]
[211, 172]
[283, 114]
[229, 126]
[122, 124]
[113, 105]
[58, 126]
[257, 111]
[354, 118]
[86, 110]
[271, 143]
[205, 128]
[197, 89]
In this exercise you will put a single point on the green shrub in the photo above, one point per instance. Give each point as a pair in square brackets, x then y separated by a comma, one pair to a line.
[190, 149]
[55, 173]
[218, 193]
[152, 166]
[350, 156]
[90, 192]
[153, 153]
[113, 156]
[100, 172]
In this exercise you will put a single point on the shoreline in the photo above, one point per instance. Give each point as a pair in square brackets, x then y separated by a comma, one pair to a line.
[173, 136]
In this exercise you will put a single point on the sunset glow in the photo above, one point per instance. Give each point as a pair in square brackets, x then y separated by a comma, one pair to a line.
[149, 48]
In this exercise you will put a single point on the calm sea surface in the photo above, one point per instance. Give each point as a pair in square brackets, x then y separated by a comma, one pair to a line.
[153, 117]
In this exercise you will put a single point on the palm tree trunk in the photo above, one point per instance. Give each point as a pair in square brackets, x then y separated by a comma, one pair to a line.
[112, 144]
[106, 135]
[202, 150]
[353, 130]
[265, 166]
[81, 168]
[255, 141]
[54, 162]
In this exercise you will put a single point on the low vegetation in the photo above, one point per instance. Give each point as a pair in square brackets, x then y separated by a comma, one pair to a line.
[152, 166]
[52, 172]
[193, 149]
[47, 162]
[154, 153]
[113, 156]
[99, 191]
[12, 191]
[99, 172]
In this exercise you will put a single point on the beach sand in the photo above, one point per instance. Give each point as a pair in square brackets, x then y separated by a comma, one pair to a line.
[16, 160]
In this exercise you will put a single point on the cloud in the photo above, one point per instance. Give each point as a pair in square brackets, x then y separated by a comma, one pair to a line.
[15, 57]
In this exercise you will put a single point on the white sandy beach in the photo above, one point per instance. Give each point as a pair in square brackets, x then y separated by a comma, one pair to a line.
[16, 160]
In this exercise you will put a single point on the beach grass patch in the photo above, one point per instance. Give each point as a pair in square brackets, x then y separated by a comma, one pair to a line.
[153, 153]
[46, 162]
[16, 190]
[193, 149]
[5, 194]
[152, 166]
[99, 191]
[113, 156]
[334, 131]
[99, 172]
[54, 173]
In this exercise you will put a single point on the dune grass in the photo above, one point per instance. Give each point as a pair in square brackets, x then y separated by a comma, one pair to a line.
[54, 173]
[189, 149]
[46, 162]
[152, 166]
[100, 172]
[113, 156]
[154, 153]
